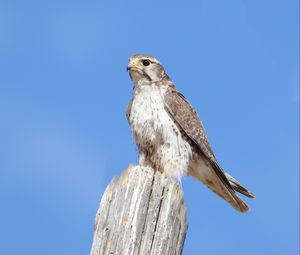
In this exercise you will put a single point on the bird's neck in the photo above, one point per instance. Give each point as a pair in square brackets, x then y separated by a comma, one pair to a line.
[162, 82]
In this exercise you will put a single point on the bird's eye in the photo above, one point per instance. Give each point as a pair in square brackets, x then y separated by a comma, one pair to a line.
[146, 62]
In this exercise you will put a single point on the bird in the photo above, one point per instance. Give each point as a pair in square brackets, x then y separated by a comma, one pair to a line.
[169, 133]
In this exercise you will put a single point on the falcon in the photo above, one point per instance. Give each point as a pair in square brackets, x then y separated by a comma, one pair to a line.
[169, 134]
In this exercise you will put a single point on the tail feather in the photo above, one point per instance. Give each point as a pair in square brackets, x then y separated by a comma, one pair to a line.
[221, 183]
[227, 193]
[238, 187]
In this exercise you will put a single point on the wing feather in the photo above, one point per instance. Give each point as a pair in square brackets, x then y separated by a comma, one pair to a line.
[187, 118]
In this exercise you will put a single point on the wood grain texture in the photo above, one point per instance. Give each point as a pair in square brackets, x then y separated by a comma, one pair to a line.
[141, 212]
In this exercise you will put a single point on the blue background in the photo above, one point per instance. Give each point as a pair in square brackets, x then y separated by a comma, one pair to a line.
[64, 135]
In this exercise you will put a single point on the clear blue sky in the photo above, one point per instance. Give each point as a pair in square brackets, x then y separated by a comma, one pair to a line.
[64, 135]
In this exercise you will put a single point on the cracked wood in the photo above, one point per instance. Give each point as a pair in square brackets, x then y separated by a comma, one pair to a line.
[141, 212]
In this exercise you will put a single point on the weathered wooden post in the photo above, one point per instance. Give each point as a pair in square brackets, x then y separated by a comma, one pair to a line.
[141, 212]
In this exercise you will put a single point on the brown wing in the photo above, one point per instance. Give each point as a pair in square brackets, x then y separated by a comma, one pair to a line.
[187, 118]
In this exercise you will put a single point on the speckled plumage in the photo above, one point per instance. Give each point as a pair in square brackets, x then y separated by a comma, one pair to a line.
[169, 134]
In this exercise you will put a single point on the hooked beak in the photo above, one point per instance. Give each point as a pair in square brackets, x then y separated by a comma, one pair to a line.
[136, 73]
[131, 65]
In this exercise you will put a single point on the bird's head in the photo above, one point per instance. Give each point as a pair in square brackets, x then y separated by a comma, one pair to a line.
[145, 69]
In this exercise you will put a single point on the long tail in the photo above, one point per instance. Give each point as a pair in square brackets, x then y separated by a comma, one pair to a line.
[222, 184]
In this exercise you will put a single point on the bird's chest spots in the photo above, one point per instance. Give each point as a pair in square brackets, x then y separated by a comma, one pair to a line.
[148, 117]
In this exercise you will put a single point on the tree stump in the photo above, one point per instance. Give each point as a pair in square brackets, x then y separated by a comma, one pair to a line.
[141, 212]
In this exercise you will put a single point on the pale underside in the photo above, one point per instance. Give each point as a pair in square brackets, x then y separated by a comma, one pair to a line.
[159, 139]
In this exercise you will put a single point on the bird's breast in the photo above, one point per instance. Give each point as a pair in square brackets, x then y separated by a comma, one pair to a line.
[148, 117]
[157, 134]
